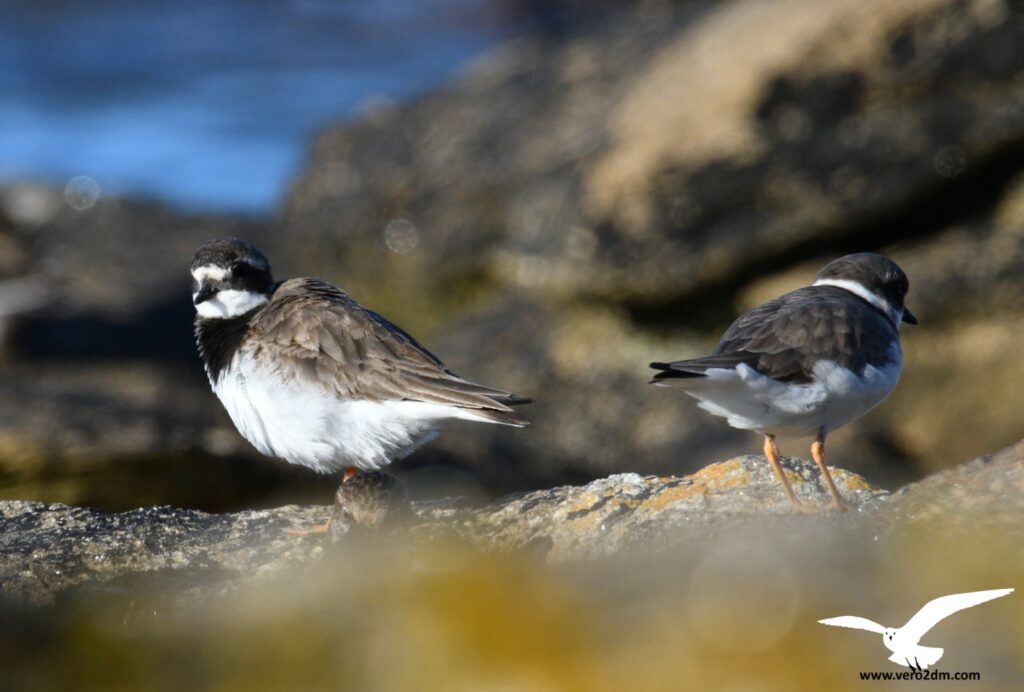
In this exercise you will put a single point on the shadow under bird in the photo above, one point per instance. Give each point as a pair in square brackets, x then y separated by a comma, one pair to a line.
[310, 376]
[807, 362]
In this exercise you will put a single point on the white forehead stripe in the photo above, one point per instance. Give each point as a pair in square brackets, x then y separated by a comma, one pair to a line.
[209, 272]
[860, 290]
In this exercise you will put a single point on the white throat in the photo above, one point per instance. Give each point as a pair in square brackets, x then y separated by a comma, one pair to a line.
[858, 289]
[230, 303]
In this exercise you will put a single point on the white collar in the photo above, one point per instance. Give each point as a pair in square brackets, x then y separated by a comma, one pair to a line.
[859, 290]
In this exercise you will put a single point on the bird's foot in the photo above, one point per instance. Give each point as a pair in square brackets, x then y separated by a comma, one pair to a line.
[833, 506]
[800, 508]
[837, 505]
[368, 500]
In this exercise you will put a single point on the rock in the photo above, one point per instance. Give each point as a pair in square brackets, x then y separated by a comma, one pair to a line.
[615, 513]
[987, 494]
[50, 548]
[676, 154]
[116, 257]
[637, 568]
[808, 137]
[47, 549]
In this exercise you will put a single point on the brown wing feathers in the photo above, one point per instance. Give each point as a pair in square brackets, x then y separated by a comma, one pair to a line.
[317, 332]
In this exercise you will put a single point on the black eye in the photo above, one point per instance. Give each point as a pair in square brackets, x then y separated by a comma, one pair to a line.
[239, 268]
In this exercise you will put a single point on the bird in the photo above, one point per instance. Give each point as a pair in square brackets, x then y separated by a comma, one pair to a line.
[310, 376]
[903, 641]
[807, 362]
[370, 500]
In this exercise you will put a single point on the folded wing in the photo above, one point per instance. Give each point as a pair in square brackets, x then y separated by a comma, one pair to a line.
[319, 333]
[784, 338]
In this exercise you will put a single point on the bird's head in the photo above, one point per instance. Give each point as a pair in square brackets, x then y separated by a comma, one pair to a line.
[875, 278]
[889, 634]
[230, 277]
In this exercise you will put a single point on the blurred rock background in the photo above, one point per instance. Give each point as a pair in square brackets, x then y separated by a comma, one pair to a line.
[611, 186]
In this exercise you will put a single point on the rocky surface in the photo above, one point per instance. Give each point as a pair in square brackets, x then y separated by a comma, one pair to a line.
[627, 511]
[47, 549]
[572, 207]
[627, 580]
[987, 492]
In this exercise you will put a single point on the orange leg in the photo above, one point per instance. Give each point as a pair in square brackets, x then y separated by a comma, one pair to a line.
[772, 452]
[818, 452]
[321, 529]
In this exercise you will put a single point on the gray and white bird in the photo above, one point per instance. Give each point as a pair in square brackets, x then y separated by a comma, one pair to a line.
[807, 362]
[310, 376]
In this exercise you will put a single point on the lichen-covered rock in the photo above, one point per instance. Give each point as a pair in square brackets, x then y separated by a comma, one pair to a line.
[46, 549]
[608, 515]
[624, 581]
[49, 548]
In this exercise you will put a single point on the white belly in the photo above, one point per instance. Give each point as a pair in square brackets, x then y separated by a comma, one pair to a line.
[752, 401]
[295, 422]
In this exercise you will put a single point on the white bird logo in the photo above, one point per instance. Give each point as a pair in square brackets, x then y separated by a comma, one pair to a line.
[903, 642]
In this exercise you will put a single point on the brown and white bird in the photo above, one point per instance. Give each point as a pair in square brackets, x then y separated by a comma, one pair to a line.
[807, 362]
[310, 376]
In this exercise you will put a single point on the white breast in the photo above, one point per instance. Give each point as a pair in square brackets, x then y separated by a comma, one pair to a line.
[305, 425]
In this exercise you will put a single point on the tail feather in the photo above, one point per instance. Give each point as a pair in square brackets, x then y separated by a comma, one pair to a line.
[495, 416]
[501, 413]
[506, 417]
[476, 401]
[512, 399]
[680, 369]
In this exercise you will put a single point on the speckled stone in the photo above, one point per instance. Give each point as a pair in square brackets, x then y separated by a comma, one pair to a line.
[47, 549]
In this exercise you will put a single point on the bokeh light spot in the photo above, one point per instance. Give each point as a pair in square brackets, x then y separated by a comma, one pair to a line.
[950, 162]
[401, 236]
[742, 599]
[82, 192]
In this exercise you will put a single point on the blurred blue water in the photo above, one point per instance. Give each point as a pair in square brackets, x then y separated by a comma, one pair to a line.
[210, 105]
